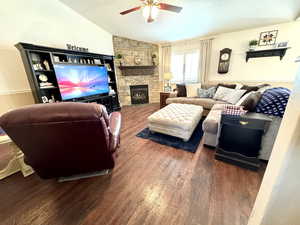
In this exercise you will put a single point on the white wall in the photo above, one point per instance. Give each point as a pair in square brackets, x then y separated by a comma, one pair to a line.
[40, 22]
[261, 69]
[278, 200]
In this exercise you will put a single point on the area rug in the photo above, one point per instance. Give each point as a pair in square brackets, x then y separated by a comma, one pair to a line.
[190, 146]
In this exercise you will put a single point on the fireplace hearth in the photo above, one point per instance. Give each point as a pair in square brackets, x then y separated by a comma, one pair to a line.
[139, 94]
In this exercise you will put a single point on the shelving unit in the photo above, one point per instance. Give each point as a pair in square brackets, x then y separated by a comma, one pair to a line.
[266, 53]
[39, 63]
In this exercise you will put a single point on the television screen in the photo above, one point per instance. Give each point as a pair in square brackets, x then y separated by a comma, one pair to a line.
[77, 81]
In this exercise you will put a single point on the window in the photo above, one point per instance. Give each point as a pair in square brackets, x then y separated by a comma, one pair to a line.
[185, 67]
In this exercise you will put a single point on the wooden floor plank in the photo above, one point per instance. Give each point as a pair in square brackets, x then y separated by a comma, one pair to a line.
[151, 184]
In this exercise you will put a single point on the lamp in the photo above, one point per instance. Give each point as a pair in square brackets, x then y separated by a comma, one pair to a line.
[167, 77]
[150, 12]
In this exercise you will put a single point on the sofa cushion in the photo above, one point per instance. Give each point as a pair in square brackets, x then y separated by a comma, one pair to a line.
[181, 90]
[206, 103]
[249, 88]
[232, 86]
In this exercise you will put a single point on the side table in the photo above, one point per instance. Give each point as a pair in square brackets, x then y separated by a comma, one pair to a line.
[16, 164]
[163, 98]
[240, 139]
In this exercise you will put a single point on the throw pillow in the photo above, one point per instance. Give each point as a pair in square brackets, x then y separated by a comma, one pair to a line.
[242, 99]
[181, 90]
[191, 89]
[250, 100]
[221, 93]
[249, 88]
[229, 95]
[234, 96]
[232, 86]
[207, 93]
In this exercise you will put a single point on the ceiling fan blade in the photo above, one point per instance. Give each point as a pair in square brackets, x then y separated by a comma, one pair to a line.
[168, 7]
[130, 10]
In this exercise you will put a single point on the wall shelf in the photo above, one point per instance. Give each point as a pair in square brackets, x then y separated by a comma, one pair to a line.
[266, 53]
[137, 70]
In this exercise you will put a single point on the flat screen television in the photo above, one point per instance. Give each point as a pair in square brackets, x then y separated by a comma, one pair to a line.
[76, 81]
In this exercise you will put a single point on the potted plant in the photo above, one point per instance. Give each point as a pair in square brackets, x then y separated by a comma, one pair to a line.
[252, 45]
[119, 57]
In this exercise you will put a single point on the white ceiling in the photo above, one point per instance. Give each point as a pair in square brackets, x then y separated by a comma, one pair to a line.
[198, 17]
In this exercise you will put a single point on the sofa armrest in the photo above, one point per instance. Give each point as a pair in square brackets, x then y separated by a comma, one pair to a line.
[114, 130]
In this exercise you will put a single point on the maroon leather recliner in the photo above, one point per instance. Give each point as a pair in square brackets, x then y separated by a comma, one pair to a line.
[65, 139]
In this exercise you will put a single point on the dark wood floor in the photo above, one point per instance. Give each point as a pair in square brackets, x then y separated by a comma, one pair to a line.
[151, 184]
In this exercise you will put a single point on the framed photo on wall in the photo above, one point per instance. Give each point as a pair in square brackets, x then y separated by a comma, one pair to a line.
[268, 38]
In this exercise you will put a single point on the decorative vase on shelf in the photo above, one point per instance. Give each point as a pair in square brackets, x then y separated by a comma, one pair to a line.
[252, 47]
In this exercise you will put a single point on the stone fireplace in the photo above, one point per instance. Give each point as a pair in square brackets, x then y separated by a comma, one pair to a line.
[139, 94]
[136, 74]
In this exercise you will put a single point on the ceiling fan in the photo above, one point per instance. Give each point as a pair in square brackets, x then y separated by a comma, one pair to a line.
[151, 8]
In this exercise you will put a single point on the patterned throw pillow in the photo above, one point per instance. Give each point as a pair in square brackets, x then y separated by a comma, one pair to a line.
[207, 93]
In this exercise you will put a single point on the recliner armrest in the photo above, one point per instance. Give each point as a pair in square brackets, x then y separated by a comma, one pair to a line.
[114, 130]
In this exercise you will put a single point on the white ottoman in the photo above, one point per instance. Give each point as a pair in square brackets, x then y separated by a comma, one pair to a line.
[178, 120]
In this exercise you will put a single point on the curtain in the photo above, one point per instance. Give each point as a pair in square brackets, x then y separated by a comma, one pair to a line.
[184, 47]
[205, 56]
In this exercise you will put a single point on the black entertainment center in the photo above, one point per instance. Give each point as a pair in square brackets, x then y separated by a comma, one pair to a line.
[52, 74]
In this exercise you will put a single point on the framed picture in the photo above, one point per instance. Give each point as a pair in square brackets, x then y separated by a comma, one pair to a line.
[268, 38]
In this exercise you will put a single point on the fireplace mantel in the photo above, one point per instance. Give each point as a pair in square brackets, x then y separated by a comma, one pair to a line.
[137, 70]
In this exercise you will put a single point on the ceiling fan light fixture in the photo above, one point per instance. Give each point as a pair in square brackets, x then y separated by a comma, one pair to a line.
[150, 12]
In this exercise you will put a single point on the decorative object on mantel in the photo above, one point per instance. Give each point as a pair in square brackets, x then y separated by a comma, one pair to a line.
[137, 60]
[268, 38]
[119, 57]
[153, 56]
[224, 60]
[167, 77]
[76, 48]
[252, 45]
[137, 70]
[266, 53]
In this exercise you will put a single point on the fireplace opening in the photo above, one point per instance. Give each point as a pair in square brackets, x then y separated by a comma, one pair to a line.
[139, 94]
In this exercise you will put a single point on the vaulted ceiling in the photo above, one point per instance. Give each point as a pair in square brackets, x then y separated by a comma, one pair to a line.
[198, 17]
